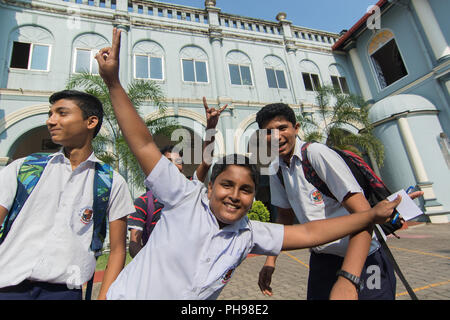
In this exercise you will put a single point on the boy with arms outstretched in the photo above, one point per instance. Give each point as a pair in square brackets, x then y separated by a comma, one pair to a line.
[204, 233]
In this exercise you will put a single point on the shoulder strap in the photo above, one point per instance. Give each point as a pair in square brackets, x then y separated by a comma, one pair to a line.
[102, 190]
[29, 174]
[149, 218]
[311, 174]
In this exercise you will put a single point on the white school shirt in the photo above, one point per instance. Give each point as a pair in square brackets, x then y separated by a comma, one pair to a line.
[48, 241]
[306, 201]
[187, 255]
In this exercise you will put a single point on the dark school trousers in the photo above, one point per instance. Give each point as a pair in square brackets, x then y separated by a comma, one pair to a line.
[377, 274]
[31, 290]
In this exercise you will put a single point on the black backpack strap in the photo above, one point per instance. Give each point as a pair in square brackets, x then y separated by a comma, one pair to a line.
[89, 285]
[397, 270]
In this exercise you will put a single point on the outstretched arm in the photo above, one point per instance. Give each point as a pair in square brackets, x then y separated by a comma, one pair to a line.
[212, 118]
[133, 127]
[319, 232]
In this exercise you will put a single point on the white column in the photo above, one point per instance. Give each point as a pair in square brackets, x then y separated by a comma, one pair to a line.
[431, 205]
[431, 27]
[359, 70]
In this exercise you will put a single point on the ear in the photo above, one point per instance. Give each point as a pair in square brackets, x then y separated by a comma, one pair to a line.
[210, 186]
[297, 128]
[92, 122]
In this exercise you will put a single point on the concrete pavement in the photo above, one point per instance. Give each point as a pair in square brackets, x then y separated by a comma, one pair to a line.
[422, 252]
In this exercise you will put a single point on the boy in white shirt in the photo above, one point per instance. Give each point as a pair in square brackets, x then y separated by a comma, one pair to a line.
[204, 234]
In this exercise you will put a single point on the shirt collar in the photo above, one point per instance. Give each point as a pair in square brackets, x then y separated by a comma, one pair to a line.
[60, 154]
[297, 151]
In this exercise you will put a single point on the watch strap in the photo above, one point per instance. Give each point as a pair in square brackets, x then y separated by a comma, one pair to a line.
[359, 284]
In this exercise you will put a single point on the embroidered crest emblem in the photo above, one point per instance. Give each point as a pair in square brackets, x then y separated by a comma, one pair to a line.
[86, 214]
[316, 197]
[227, 276]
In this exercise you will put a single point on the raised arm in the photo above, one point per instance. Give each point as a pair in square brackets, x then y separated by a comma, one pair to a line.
[212, 118]
[133, 127]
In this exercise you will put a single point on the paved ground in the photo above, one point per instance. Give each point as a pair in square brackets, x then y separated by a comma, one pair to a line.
[423, 253]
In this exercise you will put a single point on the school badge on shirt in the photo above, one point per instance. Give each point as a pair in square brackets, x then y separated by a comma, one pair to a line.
[86, 215]
[227, 275]
[316, 196]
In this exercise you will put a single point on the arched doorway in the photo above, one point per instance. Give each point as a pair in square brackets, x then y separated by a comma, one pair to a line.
[36, 140]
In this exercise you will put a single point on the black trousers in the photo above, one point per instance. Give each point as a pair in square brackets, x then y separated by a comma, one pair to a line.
[377, 274]
[31, 290]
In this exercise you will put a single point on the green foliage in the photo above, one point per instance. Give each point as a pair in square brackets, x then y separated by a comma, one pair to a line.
[112, 148]
[337, 110]
[259, 212]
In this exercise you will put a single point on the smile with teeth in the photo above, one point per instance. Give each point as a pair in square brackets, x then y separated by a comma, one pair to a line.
[231, 206]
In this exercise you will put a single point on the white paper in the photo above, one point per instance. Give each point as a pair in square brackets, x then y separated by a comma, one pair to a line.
[407, 208]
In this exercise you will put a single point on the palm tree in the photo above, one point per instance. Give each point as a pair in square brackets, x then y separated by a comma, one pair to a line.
[347, 109]
[112, 148]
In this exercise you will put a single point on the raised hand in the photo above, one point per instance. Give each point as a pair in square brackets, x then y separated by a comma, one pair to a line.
[212, 115]
[108, 60]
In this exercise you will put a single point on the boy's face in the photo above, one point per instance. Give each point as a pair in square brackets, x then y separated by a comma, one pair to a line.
[283, 130]
[66, 124]
[231, 195]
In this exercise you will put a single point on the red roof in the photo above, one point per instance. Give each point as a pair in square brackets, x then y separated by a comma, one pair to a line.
[357, 25]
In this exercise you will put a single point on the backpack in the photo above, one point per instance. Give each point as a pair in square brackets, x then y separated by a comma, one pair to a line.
[148, 228]
[374, 188]
[28, 177]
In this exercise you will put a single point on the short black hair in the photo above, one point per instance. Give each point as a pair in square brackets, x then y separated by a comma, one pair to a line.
[169, 149]
[274, 110]
[234, 159]
[89, 104]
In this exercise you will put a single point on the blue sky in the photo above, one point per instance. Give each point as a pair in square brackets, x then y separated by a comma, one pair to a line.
[326, 15]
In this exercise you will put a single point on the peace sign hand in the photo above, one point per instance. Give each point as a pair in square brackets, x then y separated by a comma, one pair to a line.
[108, 60]
[212, 115]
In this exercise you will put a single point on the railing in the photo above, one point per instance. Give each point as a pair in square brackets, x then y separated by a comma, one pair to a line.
[227, 22]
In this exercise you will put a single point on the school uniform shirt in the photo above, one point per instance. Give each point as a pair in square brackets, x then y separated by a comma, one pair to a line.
[50, 239]
[189, 256]
[306, 201]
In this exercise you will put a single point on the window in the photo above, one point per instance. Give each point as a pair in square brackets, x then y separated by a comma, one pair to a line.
[30, 56]
[85, 61]
[148, 67]
[194, 71]
[240, 75]
[340, 84]
[275, 78]
[311, 81]
[386, 59]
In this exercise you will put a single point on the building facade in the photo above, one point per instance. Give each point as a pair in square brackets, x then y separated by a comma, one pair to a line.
[235, 60]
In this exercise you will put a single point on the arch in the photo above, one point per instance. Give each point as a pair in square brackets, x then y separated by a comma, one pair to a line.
[378, 40]
[273, 61]
[335, 69]
[309, 66]
[148, 47]
[193, 52]
[90, 40]
[237, 57]
[31, 33]
[192, 120]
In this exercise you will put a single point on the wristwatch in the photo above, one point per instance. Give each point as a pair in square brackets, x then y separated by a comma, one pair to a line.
[357, 281]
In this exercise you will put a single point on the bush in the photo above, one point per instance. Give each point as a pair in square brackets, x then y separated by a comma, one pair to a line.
[259, 212]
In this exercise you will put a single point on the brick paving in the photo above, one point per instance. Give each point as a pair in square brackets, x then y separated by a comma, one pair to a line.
[423, 253]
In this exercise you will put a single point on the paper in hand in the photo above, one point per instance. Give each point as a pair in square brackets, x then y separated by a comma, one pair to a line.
[407, 208]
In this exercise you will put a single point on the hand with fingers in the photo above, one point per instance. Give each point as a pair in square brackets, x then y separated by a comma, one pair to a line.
[265, 278]
[212, 115]
[108, 60]
[383, 210]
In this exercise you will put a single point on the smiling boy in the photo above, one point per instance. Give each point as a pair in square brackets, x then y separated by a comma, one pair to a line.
[48, 250]
[204, 233]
